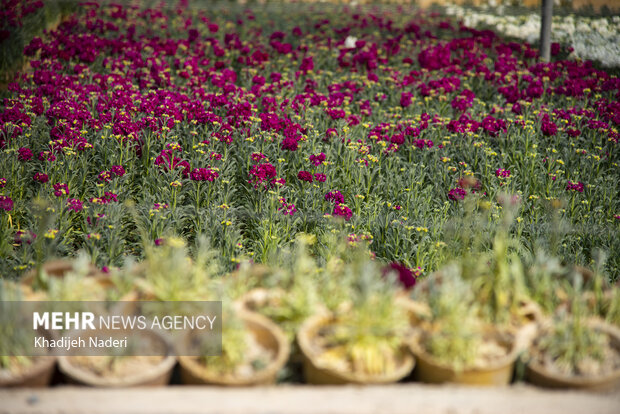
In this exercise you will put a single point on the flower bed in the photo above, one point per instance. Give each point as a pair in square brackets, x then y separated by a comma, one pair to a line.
[590, 38]
[250, 125]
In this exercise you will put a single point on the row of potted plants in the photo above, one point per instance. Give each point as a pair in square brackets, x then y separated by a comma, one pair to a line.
[347, 320]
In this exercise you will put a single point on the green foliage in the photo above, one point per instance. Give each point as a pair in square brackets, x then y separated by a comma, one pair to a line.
[452, 331]
[368, 331]
[14, 343]
[572, 341]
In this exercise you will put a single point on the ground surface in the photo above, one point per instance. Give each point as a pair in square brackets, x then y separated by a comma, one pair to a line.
[393, 399]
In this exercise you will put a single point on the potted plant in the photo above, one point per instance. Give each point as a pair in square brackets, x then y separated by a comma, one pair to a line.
[169, 273]
[362, 340]
[147, 360]
[66, 280]
[452, 343]
[17, 369]
[288, 294]
[487, 255]
[574, 350]
[253, 351]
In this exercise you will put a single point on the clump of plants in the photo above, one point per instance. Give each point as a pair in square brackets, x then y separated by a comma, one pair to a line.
[76, 284]
[365, 336]
[572, 345]
[489, 259]
[451, 331]
[14, 343]
[168, 272]
[290, 290]
[242, 355]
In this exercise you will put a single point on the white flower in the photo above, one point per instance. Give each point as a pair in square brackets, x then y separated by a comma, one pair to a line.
[350, 42]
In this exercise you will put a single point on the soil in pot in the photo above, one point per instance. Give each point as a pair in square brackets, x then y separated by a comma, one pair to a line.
[255, 356]
[327, 363]
[130, 369]
[593, 372]
[492, 364]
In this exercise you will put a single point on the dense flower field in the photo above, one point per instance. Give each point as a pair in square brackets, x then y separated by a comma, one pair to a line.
[252, 125]
[594, 38]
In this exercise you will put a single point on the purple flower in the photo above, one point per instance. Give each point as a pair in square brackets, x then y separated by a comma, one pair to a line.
[575, 186]
[24, 236]
[457, 194]
[320, 177]
[405, 99]
[262, 174]
[305, 176]
[74, 204]
[117, 170]
[548, 127]
[405, 276]
[307, 64]
[24, 154]
[500, 172]
[61, 190]
[287, 209]
[41, 178]
[317, 159]
[343, 211]
[105, 176]
[6, 203]
[335, 197]
[290, 144]
[204, 174]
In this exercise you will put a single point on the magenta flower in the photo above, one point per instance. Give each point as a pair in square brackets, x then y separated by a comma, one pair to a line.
[41, 178]
[405, 276]
[342, 211]
[548, 127]
[570, 186]
[24, 154]
[290, 144]
[6, 203]
[105, 176]
[405, 99]
[335, 197]
[457, 194]
[320, 177]
[204, 174]
[117, 170]
[305, 176]
[61, 190]
[307, 64]
[262, 174]
[463, 100]
[74, 204]
[2, 182]
[286, 208]
[500, 172]
[22, 236]
[317, 159]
